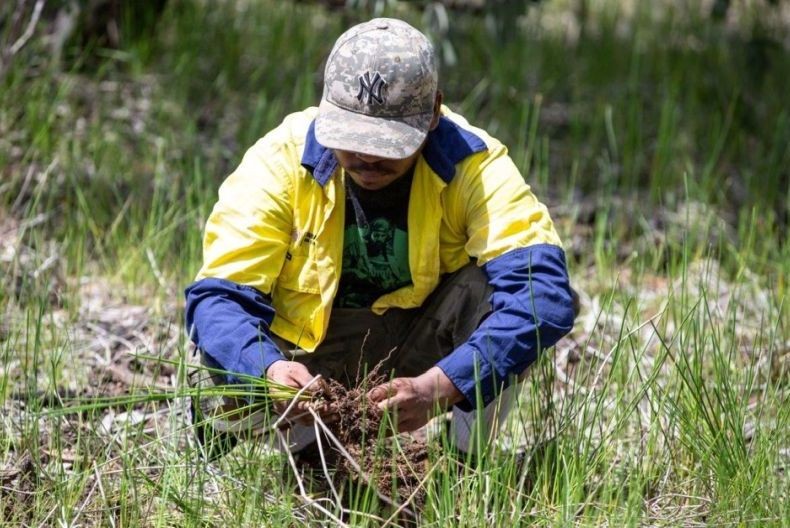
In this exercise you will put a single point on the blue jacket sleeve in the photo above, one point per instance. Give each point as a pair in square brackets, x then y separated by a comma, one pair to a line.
[230, 322]
[532, 309]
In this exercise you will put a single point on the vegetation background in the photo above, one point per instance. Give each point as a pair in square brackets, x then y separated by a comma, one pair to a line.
[657, 132]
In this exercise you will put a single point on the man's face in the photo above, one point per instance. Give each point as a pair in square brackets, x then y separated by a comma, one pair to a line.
[372, 172]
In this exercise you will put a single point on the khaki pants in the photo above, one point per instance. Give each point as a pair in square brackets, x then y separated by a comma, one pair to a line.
[405, 342]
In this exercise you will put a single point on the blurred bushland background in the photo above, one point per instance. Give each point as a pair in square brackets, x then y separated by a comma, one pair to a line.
[658, 132]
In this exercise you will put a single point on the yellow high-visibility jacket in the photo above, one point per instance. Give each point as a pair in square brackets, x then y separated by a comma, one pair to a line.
[275, 238]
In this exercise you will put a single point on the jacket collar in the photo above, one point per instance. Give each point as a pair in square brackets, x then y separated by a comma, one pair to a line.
[447, 146]
[317, 159]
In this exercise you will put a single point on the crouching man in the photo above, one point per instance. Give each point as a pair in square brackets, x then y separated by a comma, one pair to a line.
[379, 226]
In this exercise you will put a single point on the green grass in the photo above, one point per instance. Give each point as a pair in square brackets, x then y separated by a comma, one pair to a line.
[658, 137]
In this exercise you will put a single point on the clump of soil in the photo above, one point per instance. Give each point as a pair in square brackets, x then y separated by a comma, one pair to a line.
[395, 466]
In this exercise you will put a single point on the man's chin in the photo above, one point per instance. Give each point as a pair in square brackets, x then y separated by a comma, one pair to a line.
[372, 183]
[372, 186]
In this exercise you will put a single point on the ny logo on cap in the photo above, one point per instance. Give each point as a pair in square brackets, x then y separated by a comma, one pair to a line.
[371, 86]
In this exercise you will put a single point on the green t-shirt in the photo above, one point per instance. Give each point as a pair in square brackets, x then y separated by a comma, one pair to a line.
[376, 243]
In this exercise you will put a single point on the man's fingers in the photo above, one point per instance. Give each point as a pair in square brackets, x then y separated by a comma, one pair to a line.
[390, 403]
[303, 418]
[377, 394]
[321, 385]
[280, 406]
[302, 377]
[383, 391]
[291, 373]
[330, 418]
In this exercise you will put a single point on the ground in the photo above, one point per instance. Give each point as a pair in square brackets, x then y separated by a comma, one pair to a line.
[656, 135]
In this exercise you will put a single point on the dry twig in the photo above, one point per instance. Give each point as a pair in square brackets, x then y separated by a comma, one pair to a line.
[294, 401]
[31, 26]
[302, 493]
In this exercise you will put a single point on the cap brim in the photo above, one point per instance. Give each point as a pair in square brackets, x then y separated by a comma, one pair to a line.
[395, 138]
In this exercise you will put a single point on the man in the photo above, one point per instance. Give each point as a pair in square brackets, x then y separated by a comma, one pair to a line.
[378, 228]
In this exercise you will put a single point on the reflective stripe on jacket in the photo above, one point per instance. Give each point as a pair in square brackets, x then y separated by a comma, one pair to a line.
[273, 249]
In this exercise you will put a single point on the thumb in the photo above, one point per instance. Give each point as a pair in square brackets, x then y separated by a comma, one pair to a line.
[379, 393]
[387, 403]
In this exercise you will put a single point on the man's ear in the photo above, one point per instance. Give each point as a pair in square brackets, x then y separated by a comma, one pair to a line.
[437, 110]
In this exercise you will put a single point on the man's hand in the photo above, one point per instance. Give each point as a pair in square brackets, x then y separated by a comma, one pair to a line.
[416, 398]
[293, 374]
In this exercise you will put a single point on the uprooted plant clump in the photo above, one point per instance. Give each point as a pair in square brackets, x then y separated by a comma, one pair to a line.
[395, 468]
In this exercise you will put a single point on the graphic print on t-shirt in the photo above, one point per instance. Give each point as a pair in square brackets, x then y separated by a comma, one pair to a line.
[375, 245]
[375, 260]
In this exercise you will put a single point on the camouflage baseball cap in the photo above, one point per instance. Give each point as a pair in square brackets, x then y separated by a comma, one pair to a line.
[380, 84]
